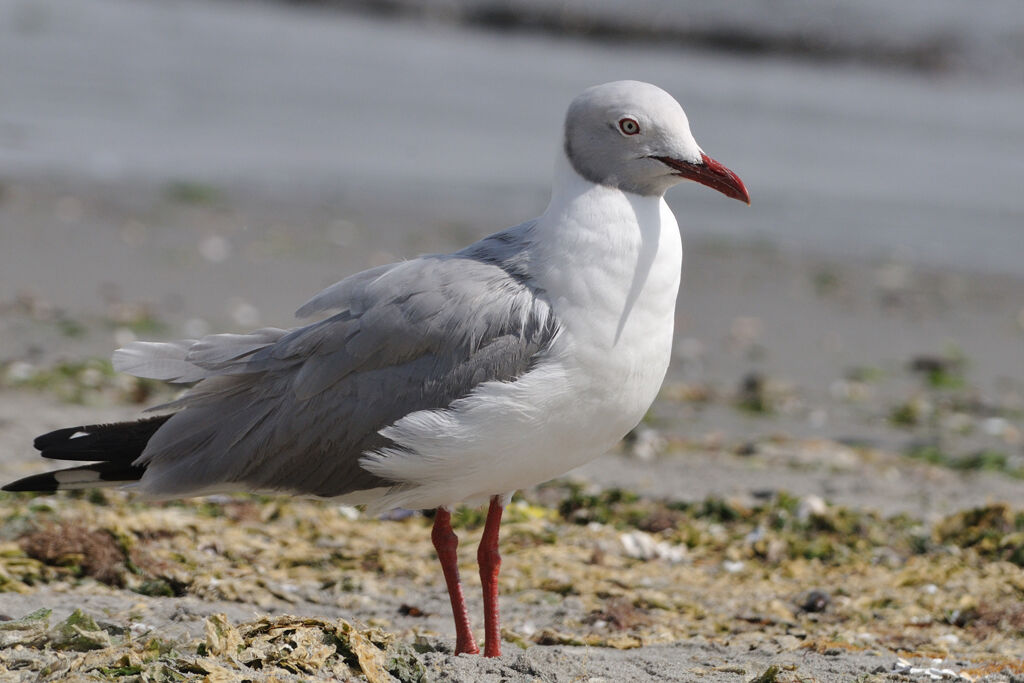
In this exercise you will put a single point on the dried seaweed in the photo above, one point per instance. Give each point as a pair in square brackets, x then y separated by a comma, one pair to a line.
[753, 575]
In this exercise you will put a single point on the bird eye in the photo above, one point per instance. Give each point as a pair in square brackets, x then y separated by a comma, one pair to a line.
[629, 126]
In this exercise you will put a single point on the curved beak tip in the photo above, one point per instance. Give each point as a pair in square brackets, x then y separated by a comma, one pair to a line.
[718, 177]
[746, 196]
[710, 173]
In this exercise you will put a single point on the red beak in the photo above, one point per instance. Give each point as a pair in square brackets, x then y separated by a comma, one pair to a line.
[711, 173]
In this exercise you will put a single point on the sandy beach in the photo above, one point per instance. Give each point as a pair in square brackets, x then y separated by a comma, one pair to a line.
[828, 487]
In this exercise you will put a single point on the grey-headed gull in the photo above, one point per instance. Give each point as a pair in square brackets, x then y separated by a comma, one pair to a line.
[448, 378]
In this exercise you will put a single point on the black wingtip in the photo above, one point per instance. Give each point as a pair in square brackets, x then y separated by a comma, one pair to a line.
[57, 436]
[37, 483]
[116, 442]
[96, 475]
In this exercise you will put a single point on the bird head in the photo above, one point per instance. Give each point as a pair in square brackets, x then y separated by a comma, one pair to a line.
[634, 136]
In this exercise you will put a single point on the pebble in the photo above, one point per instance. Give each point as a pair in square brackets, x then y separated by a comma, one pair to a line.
[933, 672]
[647, 444]
[816, 601]
[348, 512]
[810, 506]
[733, 566]
[641, 545]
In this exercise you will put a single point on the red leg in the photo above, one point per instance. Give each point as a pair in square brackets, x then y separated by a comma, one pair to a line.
[446, 543]
[490, 564]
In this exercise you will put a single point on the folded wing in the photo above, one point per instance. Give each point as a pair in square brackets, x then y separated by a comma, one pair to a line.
[293, 411]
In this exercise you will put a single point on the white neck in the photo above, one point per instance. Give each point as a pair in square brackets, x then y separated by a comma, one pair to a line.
[605, 253]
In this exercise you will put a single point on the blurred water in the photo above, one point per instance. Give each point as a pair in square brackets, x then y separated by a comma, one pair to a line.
[981, 37]
[460, 123]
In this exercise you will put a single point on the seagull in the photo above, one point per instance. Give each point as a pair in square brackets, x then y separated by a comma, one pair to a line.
[446, 379]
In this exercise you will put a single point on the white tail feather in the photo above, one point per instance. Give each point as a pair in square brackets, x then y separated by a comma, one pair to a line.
[218, 351]
[158, 360]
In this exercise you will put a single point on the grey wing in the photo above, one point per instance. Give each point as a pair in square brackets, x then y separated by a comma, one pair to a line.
[295, 410]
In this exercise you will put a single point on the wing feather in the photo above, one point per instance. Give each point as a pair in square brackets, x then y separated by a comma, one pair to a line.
[295, 410]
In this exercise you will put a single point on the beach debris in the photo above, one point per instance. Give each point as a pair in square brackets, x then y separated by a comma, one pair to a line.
[84, 551]
[688, 392]
[933, 672]
[733, 566]
[912, 412]
[79, 632]
[645, 443]
[261, 552]
[620, 614]
[760, 395]
[275, 647]
[407, 610]
[811, 506]
[550, 636]
[751, 395]
[296, 645]
[944, 371]
[19, 372]
[191, 192]
[348, 511]
[993, 531]
[642, 546]
[769, 675]
[29, 630]
[815, 601]
[91, 381]
[221, 636]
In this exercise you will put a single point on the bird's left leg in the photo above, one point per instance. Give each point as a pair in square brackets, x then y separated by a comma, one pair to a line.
[489, 559]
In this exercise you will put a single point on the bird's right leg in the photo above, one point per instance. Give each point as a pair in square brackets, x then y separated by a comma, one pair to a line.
[447, 543]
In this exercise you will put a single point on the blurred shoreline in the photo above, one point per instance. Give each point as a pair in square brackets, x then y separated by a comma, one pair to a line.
[937, 37]
[430, 121]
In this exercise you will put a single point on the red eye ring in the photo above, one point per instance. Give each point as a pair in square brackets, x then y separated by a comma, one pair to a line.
[629, 126]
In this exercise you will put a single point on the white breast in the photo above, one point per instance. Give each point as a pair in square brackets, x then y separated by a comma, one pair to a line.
[612, 276]
[609, 264]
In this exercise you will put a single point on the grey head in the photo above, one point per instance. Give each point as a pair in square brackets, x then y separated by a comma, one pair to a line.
[635, 137]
